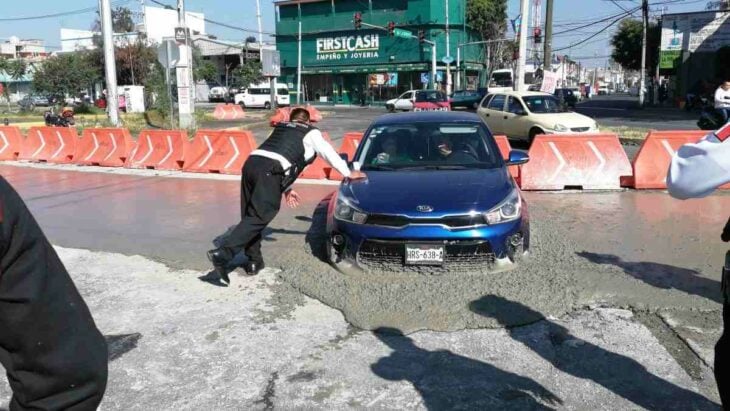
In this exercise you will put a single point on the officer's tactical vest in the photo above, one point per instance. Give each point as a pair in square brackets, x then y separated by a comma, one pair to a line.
[287, 140]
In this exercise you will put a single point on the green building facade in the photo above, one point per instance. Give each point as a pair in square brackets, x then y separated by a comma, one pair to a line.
[343, 65]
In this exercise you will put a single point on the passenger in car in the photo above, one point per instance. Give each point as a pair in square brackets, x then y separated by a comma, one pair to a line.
[390, 154]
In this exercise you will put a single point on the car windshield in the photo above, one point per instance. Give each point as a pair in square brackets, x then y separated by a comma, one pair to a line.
[432, 96]
[282, 91]
[429, 146]
[542, 104]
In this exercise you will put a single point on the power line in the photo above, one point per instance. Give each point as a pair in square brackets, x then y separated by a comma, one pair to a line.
[62, 14]
[218, 23]
[592, 36]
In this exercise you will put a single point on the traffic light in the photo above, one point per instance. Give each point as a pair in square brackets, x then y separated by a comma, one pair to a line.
[391, 28]
[357, 19]
[421, 36]
[537, 35]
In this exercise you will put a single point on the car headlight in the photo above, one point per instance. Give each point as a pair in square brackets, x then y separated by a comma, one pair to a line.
[560, 127]
[347, 212]
[508, 210]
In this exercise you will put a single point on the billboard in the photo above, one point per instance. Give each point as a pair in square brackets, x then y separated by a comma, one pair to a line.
[703, 32]
[271, 63]
[383, 79]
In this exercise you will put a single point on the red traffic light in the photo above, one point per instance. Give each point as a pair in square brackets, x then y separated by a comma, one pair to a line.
[357, 20]
[391, 28]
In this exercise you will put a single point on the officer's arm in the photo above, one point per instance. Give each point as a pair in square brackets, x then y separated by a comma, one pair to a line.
[324, 149]
[700, 168]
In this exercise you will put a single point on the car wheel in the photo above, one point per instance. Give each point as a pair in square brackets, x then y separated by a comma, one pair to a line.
[243, 105]
[390, 108]
[267, 105]
[534, 132]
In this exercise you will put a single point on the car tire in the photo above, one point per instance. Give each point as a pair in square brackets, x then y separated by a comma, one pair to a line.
[267, 105]
[390, 108]
[243, 105]
[534, 132]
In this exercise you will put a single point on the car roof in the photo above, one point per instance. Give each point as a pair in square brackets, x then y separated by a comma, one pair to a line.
[522, 93]
[425, 116]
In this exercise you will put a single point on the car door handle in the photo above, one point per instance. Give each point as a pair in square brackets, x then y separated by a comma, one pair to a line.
[487, 114]
[505, 117]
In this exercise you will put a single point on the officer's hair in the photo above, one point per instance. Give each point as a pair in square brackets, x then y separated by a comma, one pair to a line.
[299, 114]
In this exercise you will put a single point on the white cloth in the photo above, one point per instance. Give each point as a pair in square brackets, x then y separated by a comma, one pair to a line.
[700, 168]
[314, 142]
[722, 98]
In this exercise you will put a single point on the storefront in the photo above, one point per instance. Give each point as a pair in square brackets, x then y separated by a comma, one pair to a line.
[342, 65]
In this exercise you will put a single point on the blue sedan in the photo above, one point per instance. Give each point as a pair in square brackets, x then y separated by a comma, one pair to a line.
[437, 197]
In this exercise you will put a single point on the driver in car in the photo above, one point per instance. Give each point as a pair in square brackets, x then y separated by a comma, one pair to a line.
[459, 153]
[390, 152]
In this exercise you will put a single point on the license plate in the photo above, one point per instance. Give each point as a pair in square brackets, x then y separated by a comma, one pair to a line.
[424, 254]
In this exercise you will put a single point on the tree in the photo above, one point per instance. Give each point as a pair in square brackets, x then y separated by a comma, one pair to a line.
[122, 21]
[248, 73]
[203, 69]
[489, 19]
[627, 45]
[65, 74]
[16, 69]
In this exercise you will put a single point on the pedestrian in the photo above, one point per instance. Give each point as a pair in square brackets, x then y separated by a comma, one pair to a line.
[722, 100]
[54, 356]
[267, 174]
[696, 171]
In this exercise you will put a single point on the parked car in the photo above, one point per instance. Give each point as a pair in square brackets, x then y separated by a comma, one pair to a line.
[419, 100]
[467, 98]
[576, 92]
[218, 93]
[259, 95]
[567, 96]
[33, 100]
[524, 115]
[603, 90]
[437, 196]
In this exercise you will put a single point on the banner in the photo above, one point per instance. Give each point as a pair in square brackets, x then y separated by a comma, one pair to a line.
[549, 82]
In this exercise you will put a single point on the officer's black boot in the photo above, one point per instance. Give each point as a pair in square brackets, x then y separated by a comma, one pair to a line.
[253, 267]
[221, 258]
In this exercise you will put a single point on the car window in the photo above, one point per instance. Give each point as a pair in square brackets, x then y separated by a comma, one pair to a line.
[514, 106]
[542, 104]
[406, 95]
[497, 102]
[431, 96]
[485, 102]
[282, 91]
[429, 144]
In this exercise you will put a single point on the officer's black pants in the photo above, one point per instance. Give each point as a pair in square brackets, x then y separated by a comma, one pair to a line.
[722, 358]
[260, 202]
[54, 355]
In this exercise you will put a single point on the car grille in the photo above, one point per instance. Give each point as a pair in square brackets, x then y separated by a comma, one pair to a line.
[461, 256]
[459, 221]
[580, 129]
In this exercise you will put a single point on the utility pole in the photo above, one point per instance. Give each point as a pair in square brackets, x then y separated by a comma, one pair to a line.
[448, 53]
[524, 10]
[258, 17]
[548, 58]
[185, 85]
[642, 75]
[109, 63]
[299, 63]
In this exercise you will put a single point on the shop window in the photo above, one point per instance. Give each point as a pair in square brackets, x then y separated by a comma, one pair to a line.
[351, 6]
[390, 5]
[288, 12]
[321, 8]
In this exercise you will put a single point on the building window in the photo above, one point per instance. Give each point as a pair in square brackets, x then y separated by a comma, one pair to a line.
[390, 5]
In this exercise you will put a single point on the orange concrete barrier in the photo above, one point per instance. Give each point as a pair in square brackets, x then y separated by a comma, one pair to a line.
[319, 169]
[228, 112]
[504, 148]
[159, 150]
[652, 161]
[586, 161]
[349, 146]
[50, 144]
[11, 142]
[219, 151]
[314, 114]
[108, 147]
[280, 116]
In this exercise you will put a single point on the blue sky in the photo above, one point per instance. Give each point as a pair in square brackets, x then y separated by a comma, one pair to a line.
[242, 13]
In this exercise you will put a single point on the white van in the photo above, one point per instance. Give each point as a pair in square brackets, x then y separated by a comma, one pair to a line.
[259, 95]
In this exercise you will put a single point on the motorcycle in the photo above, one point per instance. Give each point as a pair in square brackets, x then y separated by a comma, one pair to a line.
[65, 119]
[710, 118]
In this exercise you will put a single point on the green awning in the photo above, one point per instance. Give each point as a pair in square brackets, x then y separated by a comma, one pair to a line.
[379, 68]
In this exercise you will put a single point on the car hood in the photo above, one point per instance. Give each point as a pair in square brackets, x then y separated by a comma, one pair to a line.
[568, 119]
[446, 192]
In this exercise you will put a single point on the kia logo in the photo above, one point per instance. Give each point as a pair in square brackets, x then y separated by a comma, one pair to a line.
[424, 208]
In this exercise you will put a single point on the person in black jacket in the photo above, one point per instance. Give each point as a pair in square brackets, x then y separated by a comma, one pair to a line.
[55, 357]
[268, 173]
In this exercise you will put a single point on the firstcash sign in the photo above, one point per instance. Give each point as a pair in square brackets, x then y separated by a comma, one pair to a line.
[348, 47]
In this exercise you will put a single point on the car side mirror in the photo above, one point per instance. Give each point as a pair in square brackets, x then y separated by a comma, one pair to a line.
[517, 157]
[345, 157]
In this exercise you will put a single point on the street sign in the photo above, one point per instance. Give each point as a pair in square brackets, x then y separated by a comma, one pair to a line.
[180, 34]
[424, 78]
[168, 57]
[447, 59]
[402, 33]
[271, 63]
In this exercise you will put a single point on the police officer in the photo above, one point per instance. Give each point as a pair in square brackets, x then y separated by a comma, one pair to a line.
[55, 357]
[267, 174]
[696, 171]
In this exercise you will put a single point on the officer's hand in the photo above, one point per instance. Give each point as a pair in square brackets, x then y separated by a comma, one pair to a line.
[292, 199]
[357, 175]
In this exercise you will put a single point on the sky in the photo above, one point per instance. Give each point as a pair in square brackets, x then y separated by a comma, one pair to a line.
[242, 13]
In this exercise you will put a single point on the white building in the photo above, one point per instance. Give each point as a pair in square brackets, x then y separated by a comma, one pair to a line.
[160, 23]
[15, 47]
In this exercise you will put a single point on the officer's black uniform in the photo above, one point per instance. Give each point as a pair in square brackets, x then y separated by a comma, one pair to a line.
[263, 182]
[55, 357]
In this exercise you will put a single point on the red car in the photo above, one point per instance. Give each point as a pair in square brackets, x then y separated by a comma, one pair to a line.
[419, 100]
